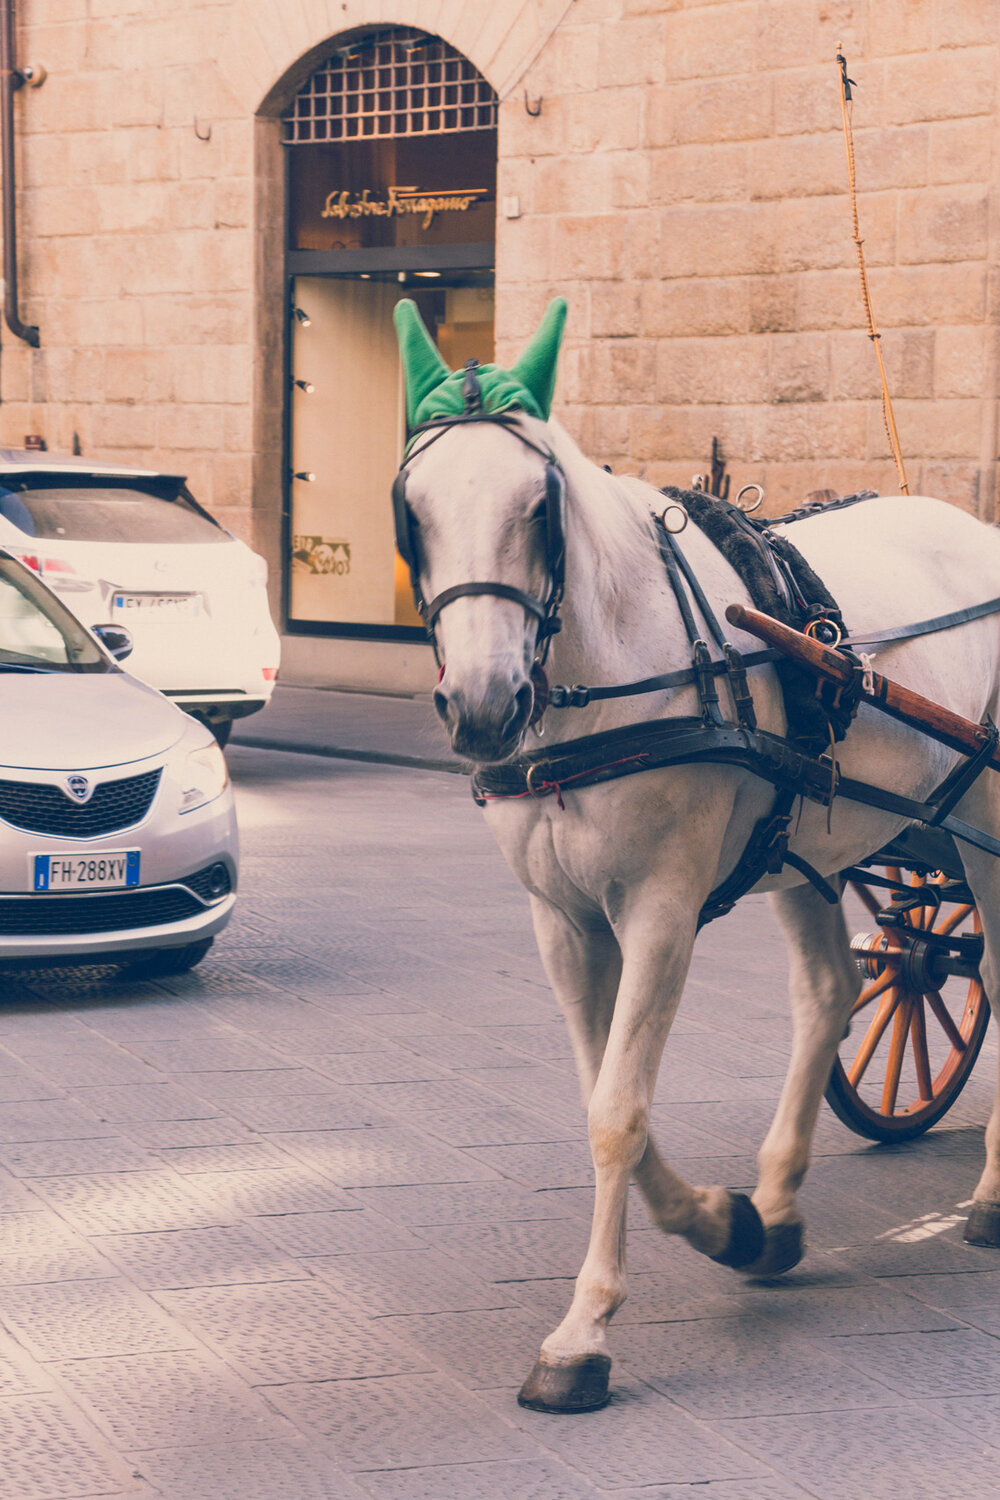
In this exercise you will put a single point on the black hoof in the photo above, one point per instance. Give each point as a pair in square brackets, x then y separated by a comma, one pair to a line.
[983, 1227]
[784, 1247]
[580, 1385]
[746, 1234]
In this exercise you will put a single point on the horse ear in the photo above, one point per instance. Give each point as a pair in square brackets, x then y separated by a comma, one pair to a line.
[536, 369]
[423, 367]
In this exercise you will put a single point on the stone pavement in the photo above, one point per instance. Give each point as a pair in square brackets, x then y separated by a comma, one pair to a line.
[293, 1225]
[350, 726]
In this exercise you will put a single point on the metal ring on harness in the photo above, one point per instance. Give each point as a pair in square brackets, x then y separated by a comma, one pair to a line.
[544, 790]
[749, 509]
[826, 631]
[674, 530]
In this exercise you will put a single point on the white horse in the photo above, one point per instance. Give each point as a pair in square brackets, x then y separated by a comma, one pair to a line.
[618, 873]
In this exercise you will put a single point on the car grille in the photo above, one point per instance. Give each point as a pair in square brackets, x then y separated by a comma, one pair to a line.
[117, 911]
[40, 807]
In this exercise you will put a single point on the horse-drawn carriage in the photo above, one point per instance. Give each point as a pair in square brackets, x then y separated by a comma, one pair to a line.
[796, 769]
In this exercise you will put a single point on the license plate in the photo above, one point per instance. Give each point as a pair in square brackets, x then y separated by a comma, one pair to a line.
[115, 869]
[147, 604]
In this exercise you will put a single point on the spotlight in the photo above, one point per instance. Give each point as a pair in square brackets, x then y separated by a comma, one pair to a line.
[305, 385]
[306, 475]
[303, 318]
[427, 273]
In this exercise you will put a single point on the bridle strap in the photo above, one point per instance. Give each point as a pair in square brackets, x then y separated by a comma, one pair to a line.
[499, 590]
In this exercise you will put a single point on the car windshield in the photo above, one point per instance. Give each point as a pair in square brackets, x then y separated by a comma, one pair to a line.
[98, 510]
[37, 634]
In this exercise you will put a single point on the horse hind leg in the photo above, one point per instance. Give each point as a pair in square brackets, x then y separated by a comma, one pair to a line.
[982, 870]
[823, 986]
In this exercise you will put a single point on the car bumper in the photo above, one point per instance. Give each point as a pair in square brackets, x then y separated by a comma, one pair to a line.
[56, 947]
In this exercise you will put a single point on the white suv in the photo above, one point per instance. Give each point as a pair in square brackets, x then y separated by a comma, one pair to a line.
[133, 548]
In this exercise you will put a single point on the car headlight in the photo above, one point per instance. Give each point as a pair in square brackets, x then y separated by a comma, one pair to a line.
[206, 777]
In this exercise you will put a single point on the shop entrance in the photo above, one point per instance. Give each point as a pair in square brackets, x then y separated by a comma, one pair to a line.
[392, 193]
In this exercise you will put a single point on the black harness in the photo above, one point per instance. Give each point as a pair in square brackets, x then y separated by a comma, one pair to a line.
[794, 764]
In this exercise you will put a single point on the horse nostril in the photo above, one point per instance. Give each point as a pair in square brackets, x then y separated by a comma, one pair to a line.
[518, 716]
[441, 705]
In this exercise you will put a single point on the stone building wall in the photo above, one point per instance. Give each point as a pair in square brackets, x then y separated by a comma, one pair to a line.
[684, 184]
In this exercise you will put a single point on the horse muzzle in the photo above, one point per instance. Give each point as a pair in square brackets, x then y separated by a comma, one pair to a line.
[487, 727]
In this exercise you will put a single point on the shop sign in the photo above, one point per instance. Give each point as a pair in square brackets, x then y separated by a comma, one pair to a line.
[342, 204]
[321, 554]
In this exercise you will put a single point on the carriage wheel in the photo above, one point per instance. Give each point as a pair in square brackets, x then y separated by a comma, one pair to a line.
[915, 1030]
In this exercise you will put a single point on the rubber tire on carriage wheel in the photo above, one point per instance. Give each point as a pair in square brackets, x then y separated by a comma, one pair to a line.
[160, 963]
[893, 1082]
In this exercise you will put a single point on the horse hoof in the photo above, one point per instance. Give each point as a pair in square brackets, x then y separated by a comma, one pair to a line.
[784, 1247]
[577, 1385]
[983, 1226]
[746, 1234]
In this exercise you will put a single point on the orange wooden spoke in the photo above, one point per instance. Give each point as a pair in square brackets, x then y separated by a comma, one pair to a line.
[877, 987]
[947, 1025]
[921, 1060]
[874, 1035]
[949, 923]
[897, 1049]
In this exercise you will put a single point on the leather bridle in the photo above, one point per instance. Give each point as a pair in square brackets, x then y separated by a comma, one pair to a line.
[546, 610]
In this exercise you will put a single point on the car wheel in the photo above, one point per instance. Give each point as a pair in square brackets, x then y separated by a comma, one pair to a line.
[160, 963]
[222, 729]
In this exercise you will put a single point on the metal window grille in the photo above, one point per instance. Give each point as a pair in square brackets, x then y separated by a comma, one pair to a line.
[398, 83]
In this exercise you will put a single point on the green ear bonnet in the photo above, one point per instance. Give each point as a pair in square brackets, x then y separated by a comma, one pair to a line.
[434, 390]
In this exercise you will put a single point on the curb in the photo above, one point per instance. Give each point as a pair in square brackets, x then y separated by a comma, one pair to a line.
[337, 752]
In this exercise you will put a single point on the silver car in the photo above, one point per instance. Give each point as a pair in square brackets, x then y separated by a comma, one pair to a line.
[118, 836]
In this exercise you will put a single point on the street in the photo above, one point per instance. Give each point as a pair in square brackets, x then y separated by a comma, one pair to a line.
[296, 1223]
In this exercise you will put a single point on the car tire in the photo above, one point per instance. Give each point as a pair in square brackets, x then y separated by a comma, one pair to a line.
[160, 963]
[222, 729]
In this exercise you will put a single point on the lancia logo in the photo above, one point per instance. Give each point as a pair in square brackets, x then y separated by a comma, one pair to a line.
[79, 788]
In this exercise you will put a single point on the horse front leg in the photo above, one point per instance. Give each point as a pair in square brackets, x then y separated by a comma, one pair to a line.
[573, 1367]
[823, 985]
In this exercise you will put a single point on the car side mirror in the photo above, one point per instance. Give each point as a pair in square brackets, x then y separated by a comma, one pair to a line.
[115, 639]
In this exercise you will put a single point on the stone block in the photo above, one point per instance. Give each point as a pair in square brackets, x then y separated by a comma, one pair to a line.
[233, 203]
[963, 484]
[941, 85]
[131, 207]
[590, 246]
[786, 35]
[908, 356]
[703, 307]
[891, 158]
[52, 212]
[702, 42]
[569, 185]
[137, 376]
[132, 428]
[570, 62]
[805, 101]
[798, 368]
[772, 304]
[525, 250]
[139, 99]
[195, 319]
[808, 432]
[729, 372]
[930, 294]
[629, 173]
[614, 309]
[521, 134]
[610, 431]
[933, 429]
[971, 24]
[815, 233]
[191, 205]
[622, 370]
[717, 240]
[609, 120]
[218, 373]
[189, 426]
[730, 109]
[960, 361]
[960, 150]
[635, 51]
[944, 224]
[797, 166]
[700, 174]
[899, 26]
[74, 101]
[232, 481]
[152, 154]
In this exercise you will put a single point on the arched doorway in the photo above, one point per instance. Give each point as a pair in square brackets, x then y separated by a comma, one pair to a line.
[391, 191]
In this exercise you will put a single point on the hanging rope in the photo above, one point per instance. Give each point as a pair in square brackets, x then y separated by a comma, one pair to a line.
[846, 111]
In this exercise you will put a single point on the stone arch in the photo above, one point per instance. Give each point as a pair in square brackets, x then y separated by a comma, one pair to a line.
[271, 48]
